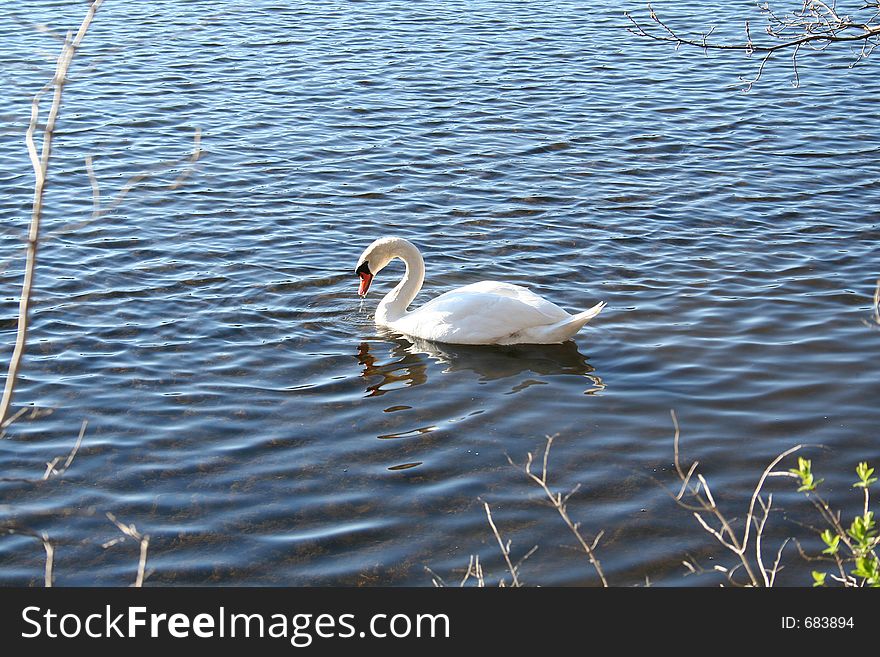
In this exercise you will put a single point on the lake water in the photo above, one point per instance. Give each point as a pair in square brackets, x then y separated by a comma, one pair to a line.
[244, 410]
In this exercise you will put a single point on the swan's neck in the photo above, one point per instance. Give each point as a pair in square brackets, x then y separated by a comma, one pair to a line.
[395, 303]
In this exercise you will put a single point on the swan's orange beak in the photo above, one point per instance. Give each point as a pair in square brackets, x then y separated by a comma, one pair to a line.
[366, 279]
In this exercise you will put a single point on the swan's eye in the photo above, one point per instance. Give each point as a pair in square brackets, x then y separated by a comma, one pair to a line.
[364, 268]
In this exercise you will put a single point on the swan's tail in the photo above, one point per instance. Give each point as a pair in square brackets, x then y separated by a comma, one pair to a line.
[562, 330]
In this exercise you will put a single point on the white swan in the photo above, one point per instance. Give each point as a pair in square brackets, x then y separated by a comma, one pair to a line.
[480, 313]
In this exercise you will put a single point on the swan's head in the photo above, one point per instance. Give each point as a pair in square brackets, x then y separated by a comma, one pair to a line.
[374, 259]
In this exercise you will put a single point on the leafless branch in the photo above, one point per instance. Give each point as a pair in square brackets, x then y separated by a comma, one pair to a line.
[505, 547]
[776, 567]
[760, 485]
[50, 559]
[797, 78]
[43, 537]
[559, 503]
[99, 211]
[759, 534]
[12, 419]
[96, 188]
[875, 308]
[436, 580]
[844, 578]
[474, 570]
[144, 540]
[703, 506]
[816, 25]
[40, 164]
[50, 467]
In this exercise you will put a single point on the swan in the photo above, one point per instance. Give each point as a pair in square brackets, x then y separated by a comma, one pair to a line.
[487, 312]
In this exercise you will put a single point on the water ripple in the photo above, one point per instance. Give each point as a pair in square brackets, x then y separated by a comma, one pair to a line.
[243, 408]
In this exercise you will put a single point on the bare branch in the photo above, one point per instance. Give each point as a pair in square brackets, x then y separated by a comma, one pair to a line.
[72, 455]
[776, 568]
[436, 580]
[43, 537]
[50, 558]
[40, 163]
[685, 480]
[135, 180]
[675, 440]
[705, 505]
[99, 210]
[41, 166]
[759, 535]
[475, 570]
[50, 467]
[144, 539]
[816, 25]
[758, 487]
[794, 66]
[96, 188]
[875, 307]
[559, 503]
[715, 533]
[505, 548]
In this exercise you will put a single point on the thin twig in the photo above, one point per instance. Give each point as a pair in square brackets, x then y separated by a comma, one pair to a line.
[839, 562]
[96, 188]
[759, 535]
[50, 469]
[196, 154]
[760, 484]
[776, 567]
[705, 505]
[50, 559]
[817, 25]
[875, 307]
[99, 210]
[475, 570]
[436, 580]
[668, 34]
[675, 440]
[135, 180]
[41, 167]
[144, 539]
[559, 503]
[12, 419]
[505, 548]
[43, 537]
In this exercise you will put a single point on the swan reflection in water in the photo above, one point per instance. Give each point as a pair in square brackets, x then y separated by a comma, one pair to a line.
[409, 361]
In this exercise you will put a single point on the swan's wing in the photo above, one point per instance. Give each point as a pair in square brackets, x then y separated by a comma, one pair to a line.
[472, 315]
[524, 295]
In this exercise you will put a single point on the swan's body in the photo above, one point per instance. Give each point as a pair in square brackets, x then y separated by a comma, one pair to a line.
[481, 313]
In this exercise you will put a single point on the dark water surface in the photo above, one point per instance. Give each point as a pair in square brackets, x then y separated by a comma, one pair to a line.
[244, 410]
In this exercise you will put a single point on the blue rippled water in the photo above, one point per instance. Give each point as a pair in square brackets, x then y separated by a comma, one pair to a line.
[244, 410]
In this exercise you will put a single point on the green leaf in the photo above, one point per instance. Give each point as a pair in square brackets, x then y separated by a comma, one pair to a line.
[832, 540]
[807, 483]
[803, 467]
[864, 473]
[818, 578]
[805, 473]
[862, 529]
[867, 567]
